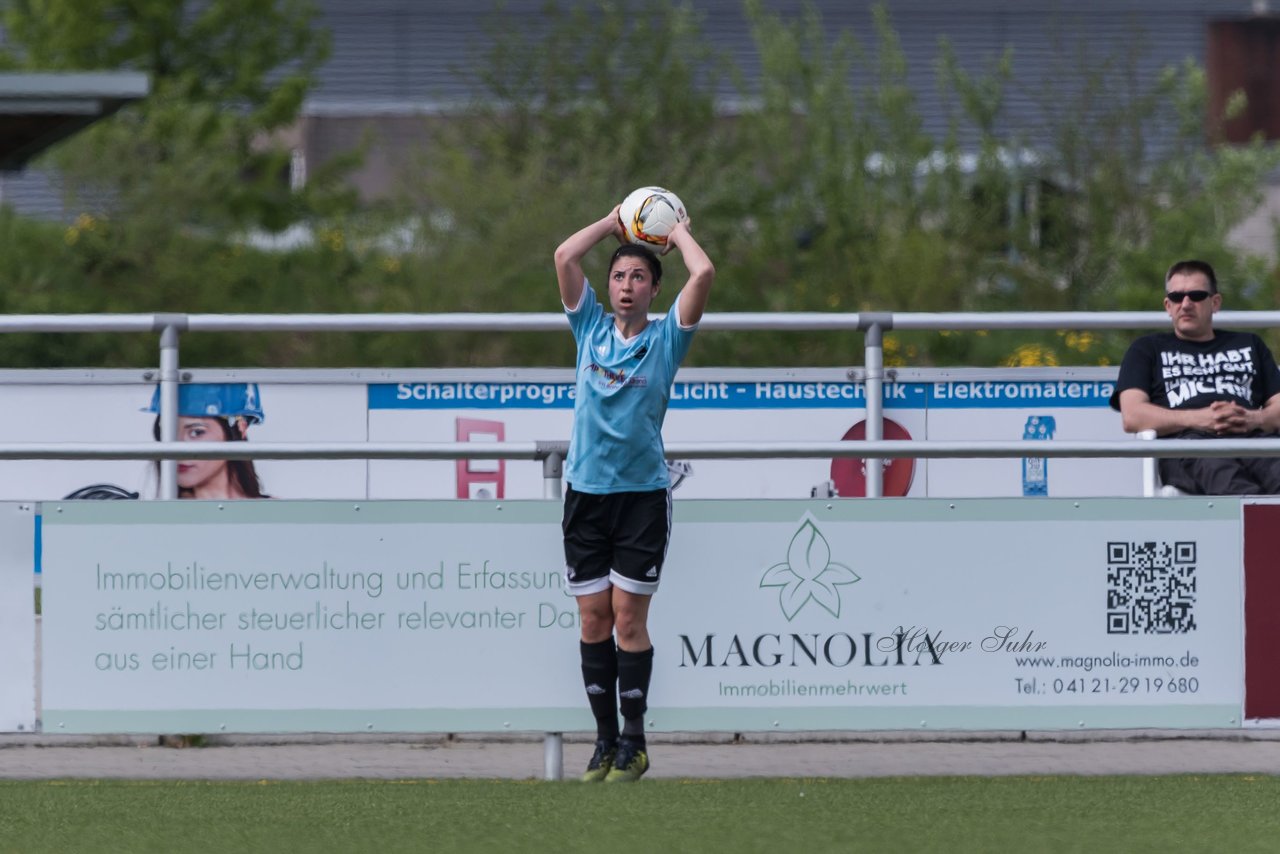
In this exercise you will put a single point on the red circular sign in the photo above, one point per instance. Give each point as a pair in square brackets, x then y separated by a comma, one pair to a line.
[849, 474]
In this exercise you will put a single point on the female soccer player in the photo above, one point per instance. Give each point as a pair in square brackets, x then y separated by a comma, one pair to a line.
[617, 507]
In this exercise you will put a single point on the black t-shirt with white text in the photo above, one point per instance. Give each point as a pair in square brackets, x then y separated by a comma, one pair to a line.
[1180, 374]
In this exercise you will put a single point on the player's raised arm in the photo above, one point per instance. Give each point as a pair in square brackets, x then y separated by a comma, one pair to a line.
[694, 294]
[570, 253]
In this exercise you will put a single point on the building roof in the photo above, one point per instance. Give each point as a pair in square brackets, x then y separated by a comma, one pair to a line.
[406, 56]
[37, 110]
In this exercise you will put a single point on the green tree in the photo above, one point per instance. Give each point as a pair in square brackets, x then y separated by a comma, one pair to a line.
[816, 185]
[563, 125]
[1123, 191]
[826, 192]
[166, 186]
[854, 207]
[225, 77]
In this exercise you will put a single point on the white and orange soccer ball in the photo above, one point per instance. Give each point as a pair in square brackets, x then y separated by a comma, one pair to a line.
[648, 215]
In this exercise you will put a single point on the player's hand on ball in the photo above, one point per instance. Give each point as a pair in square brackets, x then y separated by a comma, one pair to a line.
[619, 230]
[679, 229]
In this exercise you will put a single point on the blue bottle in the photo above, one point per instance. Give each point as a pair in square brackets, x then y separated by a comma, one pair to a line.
[1035, 470]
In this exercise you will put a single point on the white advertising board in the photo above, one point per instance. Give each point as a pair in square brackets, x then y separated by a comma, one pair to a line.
[787, 615]
[17, 618]
[708, 405]
[1003, 407]
[823, 407]
[813, 405]
[112, 409]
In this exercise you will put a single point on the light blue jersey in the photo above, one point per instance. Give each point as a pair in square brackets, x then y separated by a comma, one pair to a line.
[622, 393]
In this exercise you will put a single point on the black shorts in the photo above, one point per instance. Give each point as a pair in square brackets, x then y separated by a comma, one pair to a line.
[616, 539]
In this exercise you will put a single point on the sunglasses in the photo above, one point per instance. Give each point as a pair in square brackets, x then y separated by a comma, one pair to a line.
[1176, 297]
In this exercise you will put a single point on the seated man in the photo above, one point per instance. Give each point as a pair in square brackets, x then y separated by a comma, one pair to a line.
[1198, 383]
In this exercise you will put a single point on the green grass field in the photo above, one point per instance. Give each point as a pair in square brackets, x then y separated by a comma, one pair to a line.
[1183, 813]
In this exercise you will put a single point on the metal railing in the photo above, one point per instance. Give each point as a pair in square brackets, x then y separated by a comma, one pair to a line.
[874, 449]
[873, 325]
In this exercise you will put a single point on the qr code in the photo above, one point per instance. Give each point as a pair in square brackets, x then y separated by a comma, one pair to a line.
[1151, 588]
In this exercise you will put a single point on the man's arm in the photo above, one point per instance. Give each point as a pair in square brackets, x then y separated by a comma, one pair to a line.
[1137, 413]
[1222, 417]
[1267, 416]
[694, 294]
[569, 256]
[1266, 419]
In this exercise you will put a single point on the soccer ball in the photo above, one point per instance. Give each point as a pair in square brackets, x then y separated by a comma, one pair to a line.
[648, 215]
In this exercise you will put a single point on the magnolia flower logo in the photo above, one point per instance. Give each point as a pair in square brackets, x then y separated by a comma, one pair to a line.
[808, 573]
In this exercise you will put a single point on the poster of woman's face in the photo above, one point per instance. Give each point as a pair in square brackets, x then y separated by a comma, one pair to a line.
[115, 408]
[215, 412]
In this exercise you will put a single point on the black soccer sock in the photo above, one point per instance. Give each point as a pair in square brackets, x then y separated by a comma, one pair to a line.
[634, 670]
[600, 676]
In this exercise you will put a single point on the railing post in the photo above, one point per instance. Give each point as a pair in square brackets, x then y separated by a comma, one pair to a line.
[553, 756]
[552, 455]
[170, 325]
[1150, 469]
[876, 323]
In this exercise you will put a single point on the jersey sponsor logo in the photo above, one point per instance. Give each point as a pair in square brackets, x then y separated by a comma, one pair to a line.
[617, 378]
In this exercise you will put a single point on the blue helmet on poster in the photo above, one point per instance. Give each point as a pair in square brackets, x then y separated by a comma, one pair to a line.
[216, 400]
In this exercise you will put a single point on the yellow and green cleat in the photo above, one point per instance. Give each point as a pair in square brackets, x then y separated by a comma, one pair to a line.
[629, 764]
[601, 762]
